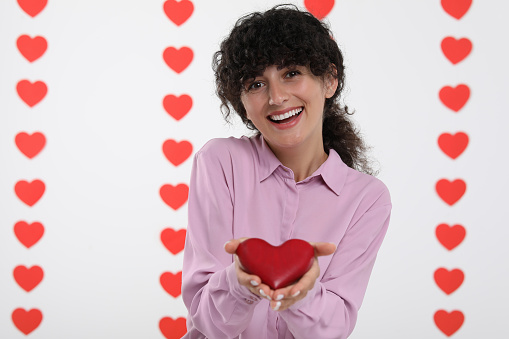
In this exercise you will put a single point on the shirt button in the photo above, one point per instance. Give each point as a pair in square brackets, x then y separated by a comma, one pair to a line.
[248, 301]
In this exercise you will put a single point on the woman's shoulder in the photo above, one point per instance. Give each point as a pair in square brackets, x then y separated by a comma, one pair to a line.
[371, 187]
[226, 148]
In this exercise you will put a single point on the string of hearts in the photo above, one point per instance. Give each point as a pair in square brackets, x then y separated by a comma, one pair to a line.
[453, 145]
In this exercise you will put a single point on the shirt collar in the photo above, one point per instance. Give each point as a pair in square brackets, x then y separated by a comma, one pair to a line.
[333, 171]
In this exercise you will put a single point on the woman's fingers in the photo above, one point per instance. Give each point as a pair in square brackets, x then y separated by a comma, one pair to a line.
[323, 248]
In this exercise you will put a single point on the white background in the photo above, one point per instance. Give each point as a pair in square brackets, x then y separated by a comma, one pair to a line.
[103, 164]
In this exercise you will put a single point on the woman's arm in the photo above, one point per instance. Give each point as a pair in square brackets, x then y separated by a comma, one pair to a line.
[330, 308]
[219, 307]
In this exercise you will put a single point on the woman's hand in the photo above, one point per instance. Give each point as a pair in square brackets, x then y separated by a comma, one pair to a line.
[252, 282]
[285, 297]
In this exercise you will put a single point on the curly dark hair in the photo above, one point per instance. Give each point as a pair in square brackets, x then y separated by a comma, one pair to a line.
[285, 36]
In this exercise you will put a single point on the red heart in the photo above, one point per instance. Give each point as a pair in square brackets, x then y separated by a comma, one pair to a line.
[31, 48]
[453, 145]
[451, 192]
[319, 8]
[172, 283]
[29, 192]
[31, 93]
[177, 152]
[30, 144]
[450, 236]
[28, 234]
[32, 7]
[174, 196]
[178, 59]
[456, 50]
[173, 329]
[276, 266]
[177, 107]
[454, 98]
[25, 321]
[449, 281]
[173, 240]
[456, 8]
[447, 322]
[28, 278]
[178, 11]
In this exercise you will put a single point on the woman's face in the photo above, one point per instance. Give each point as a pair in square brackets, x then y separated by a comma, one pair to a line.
[286, 105]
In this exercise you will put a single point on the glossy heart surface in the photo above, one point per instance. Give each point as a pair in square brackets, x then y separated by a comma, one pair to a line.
[277, 266]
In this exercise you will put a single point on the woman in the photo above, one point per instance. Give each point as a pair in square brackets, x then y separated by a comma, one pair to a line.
[299, 177]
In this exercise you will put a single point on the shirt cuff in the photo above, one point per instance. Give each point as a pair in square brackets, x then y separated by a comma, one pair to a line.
[240, 292]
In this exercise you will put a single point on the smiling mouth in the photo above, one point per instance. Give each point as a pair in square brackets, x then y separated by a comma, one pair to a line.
[286, 117]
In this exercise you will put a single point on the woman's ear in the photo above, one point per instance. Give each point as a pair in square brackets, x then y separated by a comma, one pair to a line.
[331, 82]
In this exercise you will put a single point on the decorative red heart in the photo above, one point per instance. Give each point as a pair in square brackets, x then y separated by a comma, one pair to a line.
[450, 236]
[28, 278]
[451, 191]
[453, 145]
[276, 266]
[319, 8]
[456, 50]
[454, 98]
[30, 144]
[26, 321]
[456, 8]
[172, 283]
[174, 196]
[32, 7]
[29, 192]
[449, 281]
[177, 107]
[32, 48]
[178, 59]
[173, 329]
[28, 234]
[447, 322]
[177, 152]
[31, 93]
[173, 240]
[178, 11]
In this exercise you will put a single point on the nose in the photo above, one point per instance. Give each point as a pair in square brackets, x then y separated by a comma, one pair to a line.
[277, 93]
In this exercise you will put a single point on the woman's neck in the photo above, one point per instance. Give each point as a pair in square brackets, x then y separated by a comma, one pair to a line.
[303, 160]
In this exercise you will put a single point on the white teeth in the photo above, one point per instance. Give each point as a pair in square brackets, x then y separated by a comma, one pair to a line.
[286, 115]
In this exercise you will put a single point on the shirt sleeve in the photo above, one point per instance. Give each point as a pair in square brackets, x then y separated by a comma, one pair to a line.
[219, 307]
[330, 308]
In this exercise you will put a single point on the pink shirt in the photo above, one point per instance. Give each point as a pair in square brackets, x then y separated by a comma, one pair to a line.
[240, 189]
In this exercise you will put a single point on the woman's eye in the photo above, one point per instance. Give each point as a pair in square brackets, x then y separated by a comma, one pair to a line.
[293, 73]
[255, 85]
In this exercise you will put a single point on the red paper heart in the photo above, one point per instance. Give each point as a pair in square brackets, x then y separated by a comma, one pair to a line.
[276, 266]
[453, 145]
[32, 48]
[177, 107]
[454, 98]
[178, 59]
[173, 240]
[30, 144]
[31, 93]
[450, 236]
[26, 321]
[174, 196]
[319, 8]
[447, 322]
[456, 50]
[29, 192]
[28, 278]
[173, 329]
[178, 11]
[451, 191]
[172, 283]
[456, 8]
[32, 7]
[177, 152]
[449, 281]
